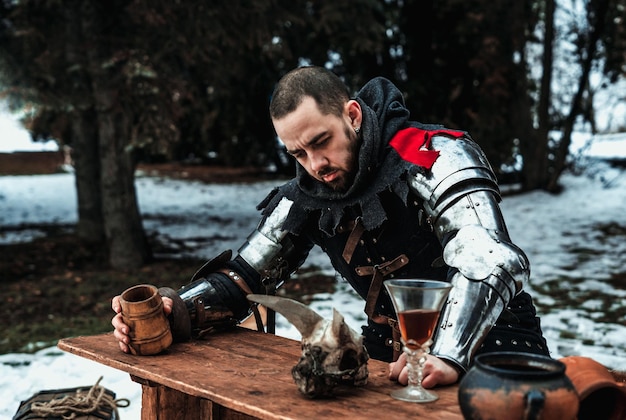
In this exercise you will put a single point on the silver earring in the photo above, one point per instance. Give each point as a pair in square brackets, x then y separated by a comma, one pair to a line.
[357, 130]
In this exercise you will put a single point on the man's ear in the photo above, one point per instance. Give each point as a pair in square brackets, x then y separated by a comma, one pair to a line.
[355, 115]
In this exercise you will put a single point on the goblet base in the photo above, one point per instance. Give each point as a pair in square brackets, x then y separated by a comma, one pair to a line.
[414, 394]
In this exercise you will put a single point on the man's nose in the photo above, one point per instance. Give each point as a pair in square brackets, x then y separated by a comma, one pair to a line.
[318, 162]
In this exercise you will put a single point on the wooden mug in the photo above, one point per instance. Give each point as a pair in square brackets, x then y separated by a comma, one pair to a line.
[602, 396]
[142, 311]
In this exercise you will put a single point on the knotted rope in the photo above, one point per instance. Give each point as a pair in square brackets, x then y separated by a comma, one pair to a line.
[69, 406]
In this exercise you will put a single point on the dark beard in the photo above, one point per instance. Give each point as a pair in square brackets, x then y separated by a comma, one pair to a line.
[343, 184]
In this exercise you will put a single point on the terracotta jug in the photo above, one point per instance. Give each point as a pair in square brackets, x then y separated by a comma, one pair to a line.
[602, 397]
[142, 311]
[513, 385]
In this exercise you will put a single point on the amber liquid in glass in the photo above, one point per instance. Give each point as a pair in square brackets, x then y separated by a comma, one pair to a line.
[417, 325]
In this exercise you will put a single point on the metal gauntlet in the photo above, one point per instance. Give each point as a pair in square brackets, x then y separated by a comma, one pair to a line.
[212, 300]
[462, 197]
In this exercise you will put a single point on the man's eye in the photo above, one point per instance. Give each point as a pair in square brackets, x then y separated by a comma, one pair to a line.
[321, 143]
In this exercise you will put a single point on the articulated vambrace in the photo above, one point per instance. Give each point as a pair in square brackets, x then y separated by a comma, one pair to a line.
[216, 296]
[488, 270]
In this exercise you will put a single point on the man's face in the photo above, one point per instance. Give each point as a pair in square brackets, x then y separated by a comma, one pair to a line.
[325, 145]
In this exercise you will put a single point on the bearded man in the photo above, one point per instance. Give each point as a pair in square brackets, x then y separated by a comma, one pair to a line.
[385, 197]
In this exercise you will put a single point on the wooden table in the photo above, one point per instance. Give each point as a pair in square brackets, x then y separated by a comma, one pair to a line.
[243, 374]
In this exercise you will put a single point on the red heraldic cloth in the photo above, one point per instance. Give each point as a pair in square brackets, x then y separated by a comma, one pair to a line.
[413, 144]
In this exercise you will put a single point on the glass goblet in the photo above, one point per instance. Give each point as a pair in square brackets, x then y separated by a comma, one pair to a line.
[417, 303]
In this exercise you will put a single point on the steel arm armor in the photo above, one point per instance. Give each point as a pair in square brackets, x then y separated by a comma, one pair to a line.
[461, 200]
[216, 295]
[270, 251]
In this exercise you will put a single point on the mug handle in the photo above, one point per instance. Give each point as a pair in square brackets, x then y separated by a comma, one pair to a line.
[535, 400]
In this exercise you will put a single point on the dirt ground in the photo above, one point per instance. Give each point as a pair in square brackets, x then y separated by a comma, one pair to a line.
[57, 287]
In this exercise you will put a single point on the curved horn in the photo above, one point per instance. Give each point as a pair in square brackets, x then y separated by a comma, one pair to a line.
[301, 316]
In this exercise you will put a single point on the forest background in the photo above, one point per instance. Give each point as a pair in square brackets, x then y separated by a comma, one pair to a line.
[128, 81]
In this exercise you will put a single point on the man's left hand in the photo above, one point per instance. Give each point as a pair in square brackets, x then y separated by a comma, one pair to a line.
[436, 372]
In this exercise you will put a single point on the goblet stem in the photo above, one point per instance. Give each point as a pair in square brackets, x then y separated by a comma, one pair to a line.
[416, 357]
[414, 392]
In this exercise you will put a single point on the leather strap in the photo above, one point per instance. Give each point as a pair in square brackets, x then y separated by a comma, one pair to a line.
[378, 272]
[353, 240]
[236, 278]
[396, 340]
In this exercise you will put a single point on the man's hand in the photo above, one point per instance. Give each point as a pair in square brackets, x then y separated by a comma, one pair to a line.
[121, 330]
[436, 372]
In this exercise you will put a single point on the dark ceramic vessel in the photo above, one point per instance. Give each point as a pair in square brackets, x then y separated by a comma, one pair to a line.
[511, 385]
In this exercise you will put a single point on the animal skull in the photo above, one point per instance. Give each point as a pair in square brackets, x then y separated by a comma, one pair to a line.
[332, 352]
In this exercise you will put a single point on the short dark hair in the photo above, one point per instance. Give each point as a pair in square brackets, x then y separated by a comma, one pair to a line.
[325, 87]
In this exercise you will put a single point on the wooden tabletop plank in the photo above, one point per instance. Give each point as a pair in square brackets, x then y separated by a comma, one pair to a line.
[250, 372]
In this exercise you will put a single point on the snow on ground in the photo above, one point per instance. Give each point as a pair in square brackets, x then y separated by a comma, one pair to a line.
[551, 229]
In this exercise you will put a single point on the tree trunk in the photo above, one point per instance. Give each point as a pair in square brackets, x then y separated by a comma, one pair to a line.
[597, 25]
[539, 155]
[522, 126]
[124, 232]
[83, 132]
[123, 229]
[534, 143]
[90, 225]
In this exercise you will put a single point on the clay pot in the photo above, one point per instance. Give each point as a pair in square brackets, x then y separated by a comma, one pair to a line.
[142, 311]
[601, 396]
[512, 385]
